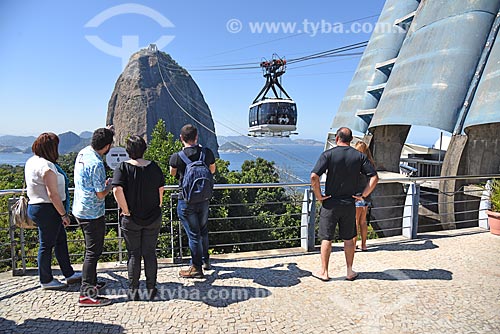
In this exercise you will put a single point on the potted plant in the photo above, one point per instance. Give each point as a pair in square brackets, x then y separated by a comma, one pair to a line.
[494, 213]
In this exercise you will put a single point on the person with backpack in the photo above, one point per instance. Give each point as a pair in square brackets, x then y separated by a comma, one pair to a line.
[194, 166]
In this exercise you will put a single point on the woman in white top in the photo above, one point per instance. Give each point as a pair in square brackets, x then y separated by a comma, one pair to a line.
[46, 187]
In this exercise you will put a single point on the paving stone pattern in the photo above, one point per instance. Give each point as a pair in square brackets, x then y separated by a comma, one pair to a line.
[443, 282]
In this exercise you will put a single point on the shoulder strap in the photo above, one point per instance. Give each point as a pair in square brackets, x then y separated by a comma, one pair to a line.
[184, 157]
[202, 155]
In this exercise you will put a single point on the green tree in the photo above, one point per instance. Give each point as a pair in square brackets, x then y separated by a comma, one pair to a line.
[11, 177]
[262, 213]
[67, 163]
[161, 146]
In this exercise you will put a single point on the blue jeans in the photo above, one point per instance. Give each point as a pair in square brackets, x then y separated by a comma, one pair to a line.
[194, 218]
[51, 235]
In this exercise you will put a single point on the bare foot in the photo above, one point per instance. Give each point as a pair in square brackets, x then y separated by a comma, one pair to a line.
[321, 276]
[352, 276]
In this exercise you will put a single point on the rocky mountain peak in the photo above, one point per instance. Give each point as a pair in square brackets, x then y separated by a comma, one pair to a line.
[153, 87]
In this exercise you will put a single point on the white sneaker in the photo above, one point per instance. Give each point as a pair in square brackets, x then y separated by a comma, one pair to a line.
[75, 278]
[55, 284]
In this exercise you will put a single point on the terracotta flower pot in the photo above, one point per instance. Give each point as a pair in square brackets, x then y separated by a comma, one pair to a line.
[494, 221]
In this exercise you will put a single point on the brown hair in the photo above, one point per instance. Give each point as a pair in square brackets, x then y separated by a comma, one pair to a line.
[363, 148]
[189, 133]
[46, 146]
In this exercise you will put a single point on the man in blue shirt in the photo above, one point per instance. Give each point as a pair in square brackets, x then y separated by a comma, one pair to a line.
[91, 188]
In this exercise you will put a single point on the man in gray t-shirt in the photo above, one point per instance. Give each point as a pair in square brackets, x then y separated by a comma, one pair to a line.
[342, 165]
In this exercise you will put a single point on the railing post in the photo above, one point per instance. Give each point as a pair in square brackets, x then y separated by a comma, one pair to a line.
[410, 212]
[173, 197]
[13, 252]
[484, 204]
[308, 218]
[120, 239]
[172, 235]
[23, 252]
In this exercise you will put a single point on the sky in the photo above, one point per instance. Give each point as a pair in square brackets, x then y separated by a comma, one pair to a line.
[60, 59]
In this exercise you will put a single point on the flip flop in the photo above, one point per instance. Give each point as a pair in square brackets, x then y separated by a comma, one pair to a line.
[352, 278]
[321, 278]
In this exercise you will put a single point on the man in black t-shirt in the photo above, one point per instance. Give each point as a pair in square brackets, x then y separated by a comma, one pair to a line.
[342, 165]
[193, 216]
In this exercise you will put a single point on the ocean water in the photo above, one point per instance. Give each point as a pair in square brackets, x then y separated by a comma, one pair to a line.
[292, 160]
[14, 159]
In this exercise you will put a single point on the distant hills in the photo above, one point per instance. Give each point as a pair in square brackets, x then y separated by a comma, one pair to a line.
[71, 142]
[68, 142]
[9, 144]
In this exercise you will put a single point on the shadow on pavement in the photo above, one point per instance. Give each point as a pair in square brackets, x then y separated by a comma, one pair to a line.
[19, 292]
[407, 274]
[211, 294]
[413, 245]
[49, 326]
[456, 233]
[280, 275]
[204, 290]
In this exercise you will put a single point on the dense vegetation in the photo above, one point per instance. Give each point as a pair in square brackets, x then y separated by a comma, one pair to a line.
[263, 215]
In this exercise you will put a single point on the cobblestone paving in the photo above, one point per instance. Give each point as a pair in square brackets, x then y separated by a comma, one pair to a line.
[446, 282]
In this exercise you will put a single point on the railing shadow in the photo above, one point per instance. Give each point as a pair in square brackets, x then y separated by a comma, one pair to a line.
[48, 326]
[19, 293]
[407, 274]
[414, 245]
[445, 234]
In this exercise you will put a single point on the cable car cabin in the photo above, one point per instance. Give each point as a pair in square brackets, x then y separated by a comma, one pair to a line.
[272, 117]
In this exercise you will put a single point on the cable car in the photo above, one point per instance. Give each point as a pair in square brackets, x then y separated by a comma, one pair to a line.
[272, 116]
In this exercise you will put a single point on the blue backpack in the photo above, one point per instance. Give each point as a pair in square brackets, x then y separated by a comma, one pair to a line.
[198, 181]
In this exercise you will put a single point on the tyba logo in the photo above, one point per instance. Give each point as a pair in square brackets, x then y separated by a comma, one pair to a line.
[130, 43]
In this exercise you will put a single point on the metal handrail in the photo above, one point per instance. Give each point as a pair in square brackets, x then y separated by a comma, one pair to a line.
[178, 246]
[414, 179]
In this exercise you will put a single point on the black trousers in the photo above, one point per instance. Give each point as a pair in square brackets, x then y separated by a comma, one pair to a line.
[141, 241]
[94, 231]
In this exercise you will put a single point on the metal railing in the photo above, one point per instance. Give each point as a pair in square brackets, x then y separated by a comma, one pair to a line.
[412, 209]
[423, 167]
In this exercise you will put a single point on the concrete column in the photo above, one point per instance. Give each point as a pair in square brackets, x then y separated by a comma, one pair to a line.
[475, 153]
[388, 199]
